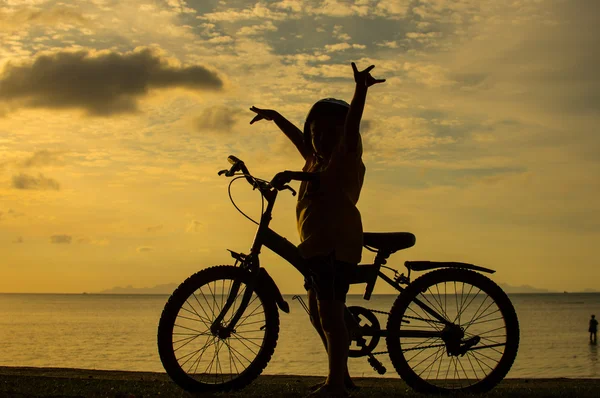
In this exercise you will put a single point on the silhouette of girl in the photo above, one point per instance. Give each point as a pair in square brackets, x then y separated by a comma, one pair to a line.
[328, 221]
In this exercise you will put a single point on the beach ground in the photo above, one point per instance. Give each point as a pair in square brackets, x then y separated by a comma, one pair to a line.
[57, 382]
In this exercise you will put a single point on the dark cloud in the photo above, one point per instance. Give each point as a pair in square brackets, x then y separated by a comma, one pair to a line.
[18, 240]
[144, 249]
[61, 239]
[154, 228]
[102, 84]
[25, 181]
[217, 118]
[43, 158]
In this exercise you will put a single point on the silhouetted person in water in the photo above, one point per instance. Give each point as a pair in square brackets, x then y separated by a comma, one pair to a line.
[593, 329]
[328, 221]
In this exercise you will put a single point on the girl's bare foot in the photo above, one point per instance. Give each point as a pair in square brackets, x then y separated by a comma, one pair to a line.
[348, 383]
[325, 391]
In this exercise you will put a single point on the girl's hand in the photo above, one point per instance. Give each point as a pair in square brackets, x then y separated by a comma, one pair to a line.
[266, 114]
[364, 78]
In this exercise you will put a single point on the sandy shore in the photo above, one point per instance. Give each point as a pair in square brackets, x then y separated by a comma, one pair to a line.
[55, 382]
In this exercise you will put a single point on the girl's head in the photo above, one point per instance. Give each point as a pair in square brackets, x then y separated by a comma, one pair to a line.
[324, 125]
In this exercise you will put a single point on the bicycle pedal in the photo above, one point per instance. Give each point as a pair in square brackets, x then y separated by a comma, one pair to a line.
[376, 364]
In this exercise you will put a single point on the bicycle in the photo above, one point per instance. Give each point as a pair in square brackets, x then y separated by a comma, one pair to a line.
[439, 324]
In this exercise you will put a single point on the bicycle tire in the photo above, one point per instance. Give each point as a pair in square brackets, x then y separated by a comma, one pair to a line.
[422, 285]
[194, 382]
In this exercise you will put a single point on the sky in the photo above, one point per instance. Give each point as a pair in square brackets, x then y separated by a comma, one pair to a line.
[115, 117]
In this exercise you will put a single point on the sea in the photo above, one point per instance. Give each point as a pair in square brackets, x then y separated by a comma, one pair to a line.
[118, 332]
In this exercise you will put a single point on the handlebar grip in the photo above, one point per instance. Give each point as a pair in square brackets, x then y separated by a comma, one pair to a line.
[233, 160]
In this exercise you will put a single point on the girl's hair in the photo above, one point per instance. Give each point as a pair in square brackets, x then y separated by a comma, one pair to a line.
[325, 108]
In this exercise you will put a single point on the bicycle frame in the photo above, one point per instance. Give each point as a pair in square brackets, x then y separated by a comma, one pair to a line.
[265, 236]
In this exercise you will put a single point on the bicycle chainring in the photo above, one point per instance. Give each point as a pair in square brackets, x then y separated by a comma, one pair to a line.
[364, 322]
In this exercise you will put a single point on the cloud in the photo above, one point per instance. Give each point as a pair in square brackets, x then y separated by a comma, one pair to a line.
[393, 8]
[180, 6]
[343, 46]
[19, 239]
[143, 249]
[259, 11]
[43, 158]
[25, 181]
[338, 34]
[15, 20]
[257, 29]
[220, 40]
[61, 239]
[103, 83]
[217, 118]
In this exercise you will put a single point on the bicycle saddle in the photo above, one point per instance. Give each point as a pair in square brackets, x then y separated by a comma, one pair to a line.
[389, 241]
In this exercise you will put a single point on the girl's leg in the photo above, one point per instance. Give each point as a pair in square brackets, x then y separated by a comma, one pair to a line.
[315, 318]
[332, 322]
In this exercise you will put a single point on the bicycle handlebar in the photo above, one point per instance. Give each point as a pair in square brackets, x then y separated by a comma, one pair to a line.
[238, 165]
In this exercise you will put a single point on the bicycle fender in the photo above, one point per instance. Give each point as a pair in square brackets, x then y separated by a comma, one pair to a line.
[265, 280]
[427, 265]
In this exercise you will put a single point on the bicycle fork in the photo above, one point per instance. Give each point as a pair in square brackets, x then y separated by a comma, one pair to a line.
[224, 331]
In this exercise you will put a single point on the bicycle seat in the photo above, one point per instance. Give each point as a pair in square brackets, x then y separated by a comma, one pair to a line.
[389, 241]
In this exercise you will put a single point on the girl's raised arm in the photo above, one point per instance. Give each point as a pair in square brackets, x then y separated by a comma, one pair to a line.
[292, 132]
[363, 80]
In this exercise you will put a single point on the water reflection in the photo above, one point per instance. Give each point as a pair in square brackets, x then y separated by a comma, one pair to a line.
[593, 359]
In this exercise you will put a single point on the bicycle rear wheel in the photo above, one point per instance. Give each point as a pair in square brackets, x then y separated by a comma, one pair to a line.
[199, 360]
[475, 352]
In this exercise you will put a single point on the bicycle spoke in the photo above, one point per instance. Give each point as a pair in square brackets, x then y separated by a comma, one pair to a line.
[464, 308]
[200, 317]
[437, 354]
[430, 321]
[473, 367]
[207, 302]
[190, 339]
[191, 354]
[193, 330]
[231, 354]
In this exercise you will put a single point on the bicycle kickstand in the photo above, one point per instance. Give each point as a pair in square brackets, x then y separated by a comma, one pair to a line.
[302, 303]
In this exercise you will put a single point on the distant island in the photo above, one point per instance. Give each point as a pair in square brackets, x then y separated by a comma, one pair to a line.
[168, 288]
[523, 289]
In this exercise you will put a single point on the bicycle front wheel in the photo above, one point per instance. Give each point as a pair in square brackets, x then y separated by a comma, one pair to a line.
[200, 360]
[471, 352]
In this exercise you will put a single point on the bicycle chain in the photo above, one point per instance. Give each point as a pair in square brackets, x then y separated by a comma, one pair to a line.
[410, 349]
[410, 317]
[405, 316]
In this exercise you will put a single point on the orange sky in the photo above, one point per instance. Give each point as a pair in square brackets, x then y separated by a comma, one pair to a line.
[116, 116]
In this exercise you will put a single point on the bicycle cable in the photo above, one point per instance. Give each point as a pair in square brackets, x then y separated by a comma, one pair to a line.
[262, 210]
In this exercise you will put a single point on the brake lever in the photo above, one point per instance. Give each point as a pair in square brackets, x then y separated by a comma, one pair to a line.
[290, 188]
